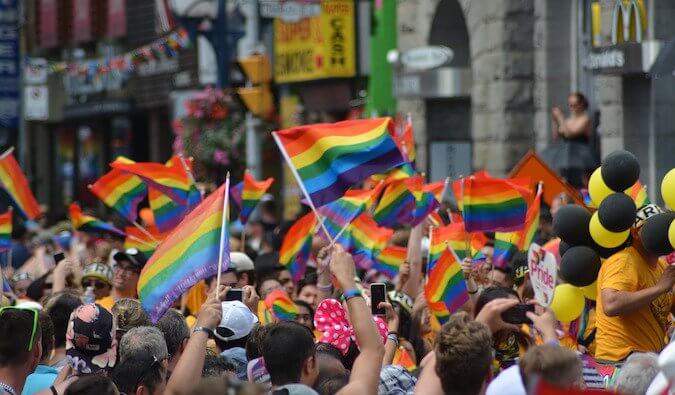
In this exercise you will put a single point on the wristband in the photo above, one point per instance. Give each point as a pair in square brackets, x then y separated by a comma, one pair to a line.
[208, 331]
[394, 333]
[472, 292]
[351, 293]
[393, 338]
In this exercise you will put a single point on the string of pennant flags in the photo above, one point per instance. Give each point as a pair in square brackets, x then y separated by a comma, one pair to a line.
[168, 46]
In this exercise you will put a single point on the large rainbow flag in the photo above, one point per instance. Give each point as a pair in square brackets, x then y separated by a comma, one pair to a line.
[120, 191]
[189, 253]
[90, 224]
[492, 204]
[6, 230]
[251, 192]
[14, 182]
[297, 245]
[446, 283]
[330, 158]
[172, 180]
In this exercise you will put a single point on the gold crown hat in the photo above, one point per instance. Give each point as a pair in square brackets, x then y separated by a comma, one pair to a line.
[98, 271]
[645, 213]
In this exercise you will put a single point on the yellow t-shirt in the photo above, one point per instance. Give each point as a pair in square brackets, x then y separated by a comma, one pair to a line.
[107, 302]
[642, 330]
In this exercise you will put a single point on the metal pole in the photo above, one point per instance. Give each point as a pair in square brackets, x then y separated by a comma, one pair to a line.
[253, 152]
[220, 45]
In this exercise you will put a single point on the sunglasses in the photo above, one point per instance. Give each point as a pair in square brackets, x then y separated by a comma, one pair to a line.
[35, 321]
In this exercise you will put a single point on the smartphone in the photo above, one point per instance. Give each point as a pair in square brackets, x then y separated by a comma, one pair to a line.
[58, 257]
[235, 294]
[516, 314]
[378, 294]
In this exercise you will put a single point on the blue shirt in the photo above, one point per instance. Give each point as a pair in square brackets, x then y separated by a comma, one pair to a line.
[41, 379]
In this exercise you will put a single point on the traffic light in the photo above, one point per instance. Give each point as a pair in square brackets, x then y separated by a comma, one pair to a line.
[257, 97]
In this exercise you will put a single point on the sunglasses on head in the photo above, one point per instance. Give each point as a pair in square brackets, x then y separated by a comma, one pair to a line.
[153, 365]
[35, 321]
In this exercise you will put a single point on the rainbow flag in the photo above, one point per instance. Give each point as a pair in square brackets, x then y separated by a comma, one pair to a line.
[14, 182]
[408, 141]
[281, 305]
[403, 359]
[405, 202]
[389, 260]
[506, 244]
[297, 244]
[120, 191]
[639, 195]
[446, 283]
[90, 224]
[172, 180]
[188, 254]
[398, 173]
[526, 236]
[437, 189]
[140, 241]
[6, 230]
[251, 193]
[235, 193]
[453, 236]
[367, 239]
[438, 310]
[492, 205]
[167, 213]
[330, 158]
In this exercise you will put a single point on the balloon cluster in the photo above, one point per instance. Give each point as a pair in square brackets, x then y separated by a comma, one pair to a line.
[658, 233]
[587, 238]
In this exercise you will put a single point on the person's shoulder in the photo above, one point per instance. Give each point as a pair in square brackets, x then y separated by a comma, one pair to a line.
[620, 258]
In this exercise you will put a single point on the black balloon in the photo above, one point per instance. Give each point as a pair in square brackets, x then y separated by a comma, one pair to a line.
[580, 266]
[570, 223]
[654, 234]
[620, 170]
[563, 247]
[617, 212]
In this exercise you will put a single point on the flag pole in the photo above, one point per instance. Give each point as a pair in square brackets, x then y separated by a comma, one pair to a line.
[144, 231]
[243, 239]
[132, 237]
[467, 235]
[302, 185]
[191, 177]
[223, 230]
[6, 153]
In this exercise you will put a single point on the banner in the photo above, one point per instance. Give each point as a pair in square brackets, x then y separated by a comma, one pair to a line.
[9, 64]
[316, 47]
[543, 273]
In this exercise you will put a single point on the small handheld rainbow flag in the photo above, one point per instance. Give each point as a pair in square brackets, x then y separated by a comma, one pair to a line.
[14, 182]
[172, 181]
[281, 305]
[297, 244]
[389, 260]
[408, 141]
[367, 239]
[398, 173]
[90, 224]
[251, 193]
[453, 236]
[191, 252]
[438, 310]
[639, 195]
[508, 243]
[328, 159]
[403, 359]
[6, 230]
[405, 202]
[492, 205]
[167, 213]
[140, 241]
[446, 283]
[120, 191]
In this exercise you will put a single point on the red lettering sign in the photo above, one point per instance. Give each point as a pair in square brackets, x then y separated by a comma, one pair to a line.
[48, 33]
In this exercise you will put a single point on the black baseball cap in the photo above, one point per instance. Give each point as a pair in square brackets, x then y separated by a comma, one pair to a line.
[131, 255]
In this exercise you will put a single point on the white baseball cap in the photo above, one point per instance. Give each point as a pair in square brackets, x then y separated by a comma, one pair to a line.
[237, 321]
[240, 262]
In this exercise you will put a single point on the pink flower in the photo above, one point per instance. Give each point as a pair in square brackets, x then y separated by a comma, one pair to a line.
[87, 312]
[220, 156]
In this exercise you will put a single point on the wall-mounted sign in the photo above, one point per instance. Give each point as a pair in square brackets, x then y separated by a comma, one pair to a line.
[426, 58]
[316, 47]
[617, 59]
[288, 11]
[629, 21]
[36, 103]
[9, 63]
[444, 82]
[35, 71]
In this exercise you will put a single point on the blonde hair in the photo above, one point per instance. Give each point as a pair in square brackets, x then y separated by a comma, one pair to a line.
[129, 314]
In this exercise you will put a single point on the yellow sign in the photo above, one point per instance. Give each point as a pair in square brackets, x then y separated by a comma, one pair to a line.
[629, 21]
[321, 46]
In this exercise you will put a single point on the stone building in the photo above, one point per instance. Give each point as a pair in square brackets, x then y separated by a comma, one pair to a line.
[512, 61]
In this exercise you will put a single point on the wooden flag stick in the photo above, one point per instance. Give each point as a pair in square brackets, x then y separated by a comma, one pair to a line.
[223, 230]
[302, 185]
[144, 231]
[243, 239]
[190, 176]
[467, 235]
[6, 153]
[132, 237]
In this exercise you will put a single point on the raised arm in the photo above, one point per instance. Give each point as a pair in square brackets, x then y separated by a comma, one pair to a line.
[411, 287]
[188, 370]
[365, 374]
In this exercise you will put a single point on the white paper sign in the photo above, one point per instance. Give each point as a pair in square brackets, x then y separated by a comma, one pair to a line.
[543, 272]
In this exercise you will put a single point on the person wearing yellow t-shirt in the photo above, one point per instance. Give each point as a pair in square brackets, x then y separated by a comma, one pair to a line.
[126, 271]
[634, 301]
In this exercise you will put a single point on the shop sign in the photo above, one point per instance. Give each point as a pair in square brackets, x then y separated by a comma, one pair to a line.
[48, 34]
[618, 59]
[426, 58]
[9, 63]
[289, 11]
[629, 21]
[316, 47]
[36, 103]
[449, 159]
[442, 82]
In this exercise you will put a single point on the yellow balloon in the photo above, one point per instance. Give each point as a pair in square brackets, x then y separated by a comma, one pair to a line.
[668, 189]
[604, 237]
[597, 188]
[671, 234]
[590, 291]
[567, 303]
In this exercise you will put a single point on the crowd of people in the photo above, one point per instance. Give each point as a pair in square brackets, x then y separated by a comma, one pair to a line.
[72, 324]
